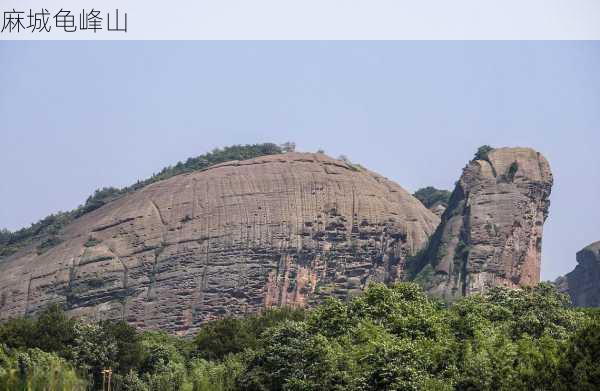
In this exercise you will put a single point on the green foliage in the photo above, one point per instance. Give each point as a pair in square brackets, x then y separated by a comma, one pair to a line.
[482, 152]
[18, 333]
[51, 331]
[50, 241]
[512, 171]
[579, 365]
[590, 312]
[218, 155]
[533, 311]
[215, 375]
[163, 366]
[129, 382]
[36, 370]
[128, 342]
[219, 338]
[93, 350]
[430, 196]
[397, 338]
[291, 357]
[91, 347]
[98, 199]
[388, 338]
[54, 331]
[46, 231]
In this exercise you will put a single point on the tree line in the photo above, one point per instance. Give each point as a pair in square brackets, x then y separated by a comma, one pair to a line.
[387, 338]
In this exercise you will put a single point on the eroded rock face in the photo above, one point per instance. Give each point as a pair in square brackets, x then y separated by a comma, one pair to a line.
[233, 239]
[583, 283]
[491, 232]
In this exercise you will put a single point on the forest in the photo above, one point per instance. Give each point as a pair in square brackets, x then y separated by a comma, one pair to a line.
[387, 338]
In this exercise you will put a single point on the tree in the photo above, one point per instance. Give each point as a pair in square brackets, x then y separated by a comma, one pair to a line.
[93, 350]
[18, 333]
[54, 331]
[292, 358]
[218, 338]
[129, 349]
[533, 311]
[221, 337]
[429, 196]
[482, 152]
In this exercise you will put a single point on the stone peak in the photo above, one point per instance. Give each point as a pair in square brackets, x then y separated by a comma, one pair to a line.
[526, 163]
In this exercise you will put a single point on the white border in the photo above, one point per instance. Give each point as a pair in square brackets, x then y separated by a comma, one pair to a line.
[333, 19]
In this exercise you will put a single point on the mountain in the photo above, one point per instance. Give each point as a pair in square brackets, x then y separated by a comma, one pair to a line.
[491, 232]
[230, 239]
[583, 283]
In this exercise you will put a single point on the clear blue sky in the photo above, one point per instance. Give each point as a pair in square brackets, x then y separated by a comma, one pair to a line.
[75, 116]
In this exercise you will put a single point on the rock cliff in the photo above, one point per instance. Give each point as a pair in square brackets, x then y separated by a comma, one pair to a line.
[233, 239]
[583, 283]
[491, 232]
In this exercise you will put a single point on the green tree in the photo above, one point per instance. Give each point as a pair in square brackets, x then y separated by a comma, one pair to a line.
[482, 152]
[579, 365]
[292, 358]
[219, 338]
[429, 196]
[53, 331]
[18, 333]
[93, 350]
[129, 349]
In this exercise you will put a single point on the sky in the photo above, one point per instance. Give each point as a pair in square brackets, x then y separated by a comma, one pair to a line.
[76, 116]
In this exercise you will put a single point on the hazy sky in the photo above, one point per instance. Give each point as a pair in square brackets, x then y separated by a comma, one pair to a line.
[75, 116]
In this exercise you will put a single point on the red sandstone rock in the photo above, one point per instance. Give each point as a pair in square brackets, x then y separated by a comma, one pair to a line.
[491, 232]
[233, 239]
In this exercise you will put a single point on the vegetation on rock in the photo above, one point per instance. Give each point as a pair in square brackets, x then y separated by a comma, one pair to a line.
[482, 152]
[47, 230]
[429, 196]
[388, 338]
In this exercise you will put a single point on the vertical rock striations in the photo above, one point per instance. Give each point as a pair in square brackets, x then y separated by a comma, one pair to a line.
[583, 283]
[233, 239]
[491, 232]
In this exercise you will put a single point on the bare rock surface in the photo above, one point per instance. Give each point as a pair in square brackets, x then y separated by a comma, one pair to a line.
[583, 283]
[236, 238]
[491, 232]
